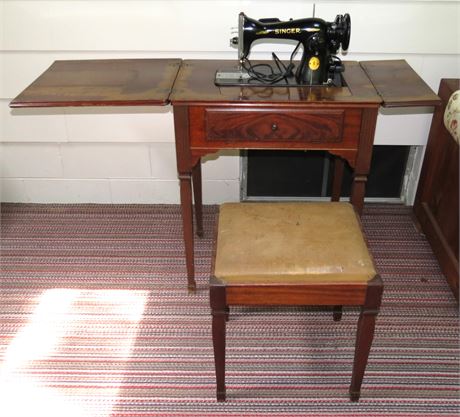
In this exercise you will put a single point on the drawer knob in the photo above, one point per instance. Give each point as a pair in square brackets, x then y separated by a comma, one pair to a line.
[274, 127]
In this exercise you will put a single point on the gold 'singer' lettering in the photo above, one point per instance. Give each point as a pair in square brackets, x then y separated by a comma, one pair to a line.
[289, 30]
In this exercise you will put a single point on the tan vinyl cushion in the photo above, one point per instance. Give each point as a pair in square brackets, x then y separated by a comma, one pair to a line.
[291, 243]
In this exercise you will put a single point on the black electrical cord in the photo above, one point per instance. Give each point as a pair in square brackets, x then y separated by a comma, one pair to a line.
[267, 75]
[272, 77]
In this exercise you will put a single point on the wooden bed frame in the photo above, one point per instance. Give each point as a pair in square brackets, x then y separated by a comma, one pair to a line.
[436, 202]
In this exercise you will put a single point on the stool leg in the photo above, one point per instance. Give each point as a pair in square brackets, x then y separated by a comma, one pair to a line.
[337, 313]
[218, 340]
[219, 312]
[365, 335]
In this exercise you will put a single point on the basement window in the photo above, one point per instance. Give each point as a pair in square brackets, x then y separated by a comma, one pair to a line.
[308, 174]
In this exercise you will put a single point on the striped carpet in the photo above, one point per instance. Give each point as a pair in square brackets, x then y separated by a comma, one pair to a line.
[95, 320]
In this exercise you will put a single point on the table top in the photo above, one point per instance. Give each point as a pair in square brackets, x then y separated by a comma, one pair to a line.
[108, 82]
[195, 85]
[398, 84]
[157, 82]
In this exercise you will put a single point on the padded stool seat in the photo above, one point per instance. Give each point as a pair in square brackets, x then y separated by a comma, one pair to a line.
[293, 254]
[291, 243]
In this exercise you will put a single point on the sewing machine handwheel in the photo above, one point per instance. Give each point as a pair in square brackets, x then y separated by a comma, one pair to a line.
[346, 32]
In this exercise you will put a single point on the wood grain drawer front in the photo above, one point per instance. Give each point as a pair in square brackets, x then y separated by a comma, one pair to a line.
[323, 126]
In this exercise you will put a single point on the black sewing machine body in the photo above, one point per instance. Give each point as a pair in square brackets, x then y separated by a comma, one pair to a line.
[320, 41]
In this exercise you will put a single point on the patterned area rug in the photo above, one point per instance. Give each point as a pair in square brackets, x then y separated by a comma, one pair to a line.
[95, 320]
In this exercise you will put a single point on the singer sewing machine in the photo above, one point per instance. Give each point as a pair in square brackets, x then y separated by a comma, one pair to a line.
[320, 41]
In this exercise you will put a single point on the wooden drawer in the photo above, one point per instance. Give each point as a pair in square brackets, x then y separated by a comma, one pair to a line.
[239, 127]
[267, 125]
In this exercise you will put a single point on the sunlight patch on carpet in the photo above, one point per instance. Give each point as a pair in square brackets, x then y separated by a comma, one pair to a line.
[67, 320]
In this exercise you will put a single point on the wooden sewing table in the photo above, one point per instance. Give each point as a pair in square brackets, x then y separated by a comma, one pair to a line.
[207, 118]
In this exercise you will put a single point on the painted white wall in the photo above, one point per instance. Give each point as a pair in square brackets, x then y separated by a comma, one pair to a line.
[127, 155]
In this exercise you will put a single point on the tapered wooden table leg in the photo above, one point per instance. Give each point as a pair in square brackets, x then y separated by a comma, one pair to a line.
[187, 225]
[338, 178]
[363, 159]
[185, 164]
[358, 188]
[197, 196]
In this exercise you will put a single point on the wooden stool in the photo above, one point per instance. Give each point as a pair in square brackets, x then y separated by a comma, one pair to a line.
[293, 254]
